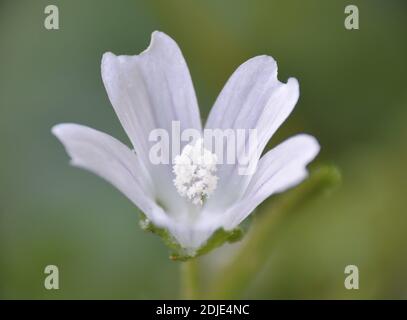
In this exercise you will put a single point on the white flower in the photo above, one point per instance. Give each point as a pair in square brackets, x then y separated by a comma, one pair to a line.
[194, 198]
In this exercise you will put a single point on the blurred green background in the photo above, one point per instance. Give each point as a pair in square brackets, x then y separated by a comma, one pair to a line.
[353, 99]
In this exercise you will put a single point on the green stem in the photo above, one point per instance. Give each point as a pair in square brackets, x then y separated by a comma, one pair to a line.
[189, 279]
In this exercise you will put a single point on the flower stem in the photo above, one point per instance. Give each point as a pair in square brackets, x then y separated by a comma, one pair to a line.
[189, 279]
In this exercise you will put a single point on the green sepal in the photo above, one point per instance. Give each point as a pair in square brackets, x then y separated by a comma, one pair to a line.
[178, 253]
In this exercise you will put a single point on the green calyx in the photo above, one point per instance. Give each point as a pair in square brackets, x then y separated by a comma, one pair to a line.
[178, 253]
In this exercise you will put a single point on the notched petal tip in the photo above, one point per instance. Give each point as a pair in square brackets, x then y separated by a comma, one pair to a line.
[293, 82]
[159, 34]
[263, 58]
[261, 62]
[264, 62]
[158, 39]
[107, 56]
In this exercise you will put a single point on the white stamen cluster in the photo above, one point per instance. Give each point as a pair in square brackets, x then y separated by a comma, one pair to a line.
[194, 171]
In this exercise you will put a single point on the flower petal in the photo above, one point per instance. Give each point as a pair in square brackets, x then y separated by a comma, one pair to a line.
[279, 169]
[110, 159]
[149, 91]
[253, 98]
